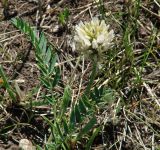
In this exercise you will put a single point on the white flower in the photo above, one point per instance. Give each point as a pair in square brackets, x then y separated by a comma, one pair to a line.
[92, 38]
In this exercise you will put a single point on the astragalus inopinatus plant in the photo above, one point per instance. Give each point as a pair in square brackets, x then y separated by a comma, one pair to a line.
[92, 39]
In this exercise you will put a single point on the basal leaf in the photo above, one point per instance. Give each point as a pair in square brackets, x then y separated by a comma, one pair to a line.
[65, 126]
[66, 100]
[82, 107]
[56, 78]
[48, 56]
[87, 128]
[86, 101]
[72, 122]
[52, 63]
[43, 43]
[91, 139]
[77, 113]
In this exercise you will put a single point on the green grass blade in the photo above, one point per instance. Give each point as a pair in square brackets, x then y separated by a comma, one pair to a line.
[7, 86]
[78, 115]
[91, 139]
[66, 100]
[87, 128]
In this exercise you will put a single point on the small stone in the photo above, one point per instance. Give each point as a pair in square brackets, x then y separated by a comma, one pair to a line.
[25, 144]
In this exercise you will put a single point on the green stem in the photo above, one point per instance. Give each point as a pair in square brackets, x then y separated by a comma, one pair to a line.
[92, 77]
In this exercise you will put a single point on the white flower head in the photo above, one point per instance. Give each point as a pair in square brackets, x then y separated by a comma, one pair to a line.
[92, 38]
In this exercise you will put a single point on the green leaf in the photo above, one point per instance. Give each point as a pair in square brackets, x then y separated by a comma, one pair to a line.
[48, 56]
[66, 100]
[45, 82]
[78, 115]
[59, 131]
[72, 122]
[38, 147]
[40, 103]
[65, 127]
[48, 121]
[91, 139]
[87, 128]
[56, 78]
[33, 37]
[108, 96]
[52, 63]
[45, 57]
[63, 16]
[7, 86]
[43, 69]
[43, 43]
[15, 22]
[97, 94]
[82, 107]
[51, 100]
[86, 101]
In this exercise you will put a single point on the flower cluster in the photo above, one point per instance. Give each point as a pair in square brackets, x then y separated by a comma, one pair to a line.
[92, 38]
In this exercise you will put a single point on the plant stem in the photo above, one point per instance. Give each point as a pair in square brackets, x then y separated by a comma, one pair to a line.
[92, 77]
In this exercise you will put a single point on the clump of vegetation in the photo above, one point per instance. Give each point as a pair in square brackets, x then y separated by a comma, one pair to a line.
[65, 127]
